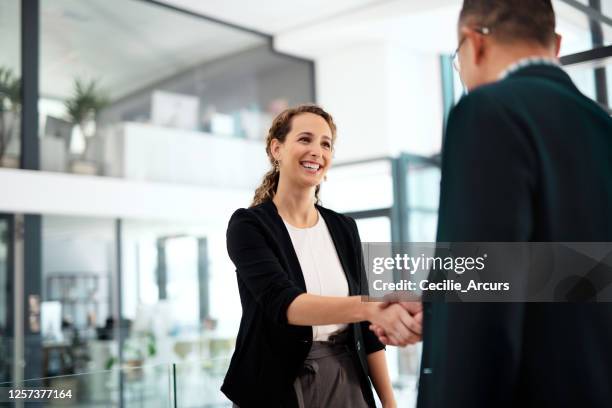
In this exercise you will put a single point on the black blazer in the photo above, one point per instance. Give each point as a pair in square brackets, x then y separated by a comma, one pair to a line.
[269, 351]
[528, 158]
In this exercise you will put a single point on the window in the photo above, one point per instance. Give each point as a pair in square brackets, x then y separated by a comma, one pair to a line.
[122, 81]
[10, 79]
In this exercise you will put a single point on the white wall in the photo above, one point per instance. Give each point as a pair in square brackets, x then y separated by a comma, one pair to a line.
[415, 113]
[385, 97]
[352, 86]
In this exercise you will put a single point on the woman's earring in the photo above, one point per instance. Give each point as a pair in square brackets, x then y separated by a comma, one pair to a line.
[276, 166]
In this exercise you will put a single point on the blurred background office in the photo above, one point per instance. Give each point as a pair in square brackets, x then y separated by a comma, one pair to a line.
[130, 130]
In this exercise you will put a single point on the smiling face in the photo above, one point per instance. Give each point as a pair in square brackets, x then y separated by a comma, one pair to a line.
[306, 154]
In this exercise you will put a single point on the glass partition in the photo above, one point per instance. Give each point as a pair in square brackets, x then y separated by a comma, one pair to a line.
[6, 331]
[121, 82]
[575, 27]
[581, 33]
[179, 292]
[584, 76]
[10, 83]
[79, 323]
[126, 387]
[358, 186]
[179, 303]
[423, 198]
[198, 383]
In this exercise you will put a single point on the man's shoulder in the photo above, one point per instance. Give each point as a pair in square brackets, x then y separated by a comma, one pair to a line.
[492, 109]
[515, 97]
[483, 102]
[528, 87]
[497, 93]
[519, 96]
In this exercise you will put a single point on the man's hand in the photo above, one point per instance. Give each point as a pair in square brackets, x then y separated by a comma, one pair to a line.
[414, 323]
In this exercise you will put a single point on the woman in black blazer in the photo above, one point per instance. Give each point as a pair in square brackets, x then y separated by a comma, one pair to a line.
[299, 346]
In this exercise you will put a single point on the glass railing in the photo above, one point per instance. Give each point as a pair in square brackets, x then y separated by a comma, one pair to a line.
[189, 384]
[198, 383]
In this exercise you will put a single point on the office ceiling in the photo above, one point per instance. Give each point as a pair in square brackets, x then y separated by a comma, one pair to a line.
[277, 16]
[310, 28]
[424, 27]
[126, 45]
[313, 28]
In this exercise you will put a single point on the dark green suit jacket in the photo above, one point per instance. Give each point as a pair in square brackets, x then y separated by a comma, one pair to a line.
[528, 158]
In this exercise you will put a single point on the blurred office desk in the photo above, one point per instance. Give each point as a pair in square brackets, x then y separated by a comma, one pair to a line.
[54, 360]
[145, 152]
[213, 351]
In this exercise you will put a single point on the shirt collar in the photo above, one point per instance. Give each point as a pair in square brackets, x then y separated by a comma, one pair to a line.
[525, 62]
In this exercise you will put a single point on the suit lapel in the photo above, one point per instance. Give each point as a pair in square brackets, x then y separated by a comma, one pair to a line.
[284, 240]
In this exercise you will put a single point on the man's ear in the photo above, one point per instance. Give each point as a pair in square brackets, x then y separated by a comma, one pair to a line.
[558, 39]
[477, 43]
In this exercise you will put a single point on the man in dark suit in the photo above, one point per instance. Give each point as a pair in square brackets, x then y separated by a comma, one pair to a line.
[527, 157]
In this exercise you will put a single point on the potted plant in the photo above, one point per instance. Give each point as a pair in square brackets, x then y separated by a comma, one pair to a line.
[10, 114]
[83, 108]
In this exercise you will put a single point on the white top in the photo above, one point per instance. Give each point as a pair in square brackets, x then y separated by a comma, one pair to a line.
[321, 268]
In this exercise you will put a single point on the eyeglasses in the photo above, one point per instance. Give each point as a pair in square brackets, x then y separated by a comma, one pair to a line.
[455, 56]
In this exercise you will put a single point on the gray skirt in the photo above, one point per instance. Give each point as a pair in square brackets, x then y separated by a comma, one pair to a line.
[329, 377]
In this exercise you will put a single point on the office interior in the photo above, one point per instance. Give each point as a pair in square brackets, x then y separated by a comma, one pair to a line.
[132, 129]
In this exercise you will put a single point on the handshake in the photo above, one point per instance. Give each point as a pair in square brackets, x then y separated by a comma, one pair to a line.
[398, 323]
